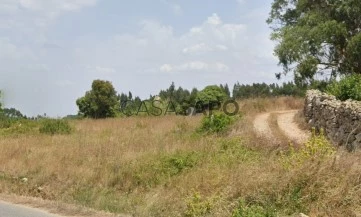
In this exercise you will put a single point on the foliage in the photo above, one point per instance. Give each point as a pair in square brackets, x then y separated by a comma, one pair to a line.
[253, 210]
[181, 98]
[316, 148]
[348, 87]
[100, 102]
[212, 94]
[16, 127]
[1, 106]
[13, 113]
[179, 162]
[5, 122]
[317, 37]
[8, 116]
[160, 170]
[197, 206]
[55, 126]
[265, 90]
[226, 90]
[216, 123]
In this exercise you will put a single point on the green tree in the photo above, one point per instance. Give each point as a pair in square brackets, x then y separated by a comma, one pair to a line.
[212, 94]
[100, 102]
[316, 37]
[1, 107]
[13, 113]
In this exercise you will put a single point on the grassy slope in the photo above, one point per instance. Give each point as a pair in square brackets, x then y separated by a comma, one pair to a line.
[160, 167]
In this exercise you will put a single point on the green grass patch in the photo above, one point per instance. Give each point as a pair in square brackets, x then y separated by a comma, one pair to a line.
[55, 126]
[18, 127]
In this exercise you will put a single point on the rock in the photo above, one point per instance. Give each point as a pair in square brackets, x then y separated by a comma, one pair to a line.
[341, 120]
[302, 215]
[24, 180]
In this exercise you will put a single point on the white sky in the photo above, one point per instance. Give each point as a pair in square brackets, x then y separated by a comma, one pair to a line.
[51, 50]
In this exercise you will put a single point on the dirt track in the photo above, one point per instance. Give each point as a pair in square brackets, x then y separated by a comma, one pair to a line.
[286, 124]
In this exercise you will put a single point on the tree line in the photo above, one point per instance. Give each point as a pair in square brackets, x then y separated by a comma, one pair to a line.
[103, 101]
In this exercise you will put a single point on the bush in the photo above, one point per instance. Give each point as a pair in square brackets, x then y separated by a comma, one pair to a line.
[216, 123]
[348, 87]
[18, 127]
[175, 164]
[197, 206]
[52, 127]
[316, 148]
[253, 210]
[5, 122]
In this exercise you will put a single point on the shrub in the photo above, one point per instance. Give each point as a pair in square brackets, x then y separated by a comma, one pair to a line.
[20, 127]
[53, 126]
[348, 87]
[179, 162]
[216, 123]
[197, 206]
[253, 210]
[5, 122]
[317, 147]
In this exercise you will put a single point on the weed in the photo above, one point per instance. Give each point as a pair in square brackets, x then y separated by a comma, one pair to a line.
[53, 126]
[216, 123]
[316, 148]
[197, 206]
[233, 150]
[19, 127]
[253, 210]
[175, 164]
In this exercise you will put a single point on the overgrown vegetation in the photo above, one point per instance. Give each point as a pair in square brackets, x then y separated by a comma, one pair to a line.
[55, 126]
[316, 148]
[216, 123]
[349, 87]
[253, 210]
[104, 102]
[197, 206]
[159, 166]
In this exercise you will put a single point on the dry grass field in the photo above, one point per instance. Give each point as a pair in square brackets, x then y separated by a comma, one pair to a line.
[161, 166]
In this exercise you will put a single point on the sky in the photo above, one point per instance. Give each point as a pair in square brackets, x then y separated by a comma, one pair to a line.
[52, 50]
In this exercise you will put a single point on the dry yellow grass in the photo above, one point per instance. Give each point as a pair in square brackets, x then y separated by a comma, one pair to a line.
[159, 166]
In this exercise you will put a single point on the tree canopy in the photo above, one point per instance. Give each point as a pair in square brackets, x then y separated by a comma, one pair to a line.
[317, 37]
[212, 94]
[12, 113]
[100, 102]
[1, 106]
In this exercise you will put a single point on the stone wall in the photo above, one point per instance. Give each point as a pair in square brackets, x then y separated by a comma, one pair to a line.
[341, 121]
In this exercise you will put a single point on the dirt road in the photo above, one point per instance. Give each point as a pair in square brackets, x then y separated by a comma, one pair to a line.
[286, 124]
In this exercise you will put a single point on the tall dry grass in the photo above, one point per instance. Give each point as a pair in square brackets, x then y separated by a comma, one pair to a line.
[160, 166]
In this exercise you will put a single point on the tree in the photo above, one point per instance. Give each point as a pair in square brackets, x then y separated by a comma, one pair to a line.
[100, 102]
[226, 89]
[13, 113]
[211, 95]
[123, 98]
[1, 106]
[317, 37]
